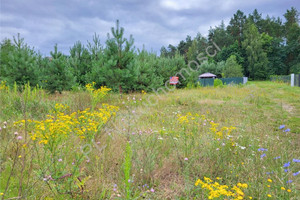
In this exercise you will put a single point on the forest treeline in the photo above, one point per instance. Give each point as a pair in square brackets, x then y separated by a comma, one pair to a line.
[251, 46]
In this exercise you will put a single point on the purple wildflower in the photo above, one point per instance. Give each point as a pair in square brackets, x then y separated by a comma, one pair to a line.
[19, 138]
[263, 155]
[152, 190]
[287, 164]
[287, 130]
[286, 170]
[277, 157]
[262, 149]
[186, 159]
[296, 160]
[59, 160]
[281, 126]
[296, 173]
[289, 181]
[115, 187]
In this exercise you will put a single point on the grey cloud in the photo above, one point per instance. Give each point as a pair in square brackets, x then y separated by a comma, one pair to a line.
[152, 23]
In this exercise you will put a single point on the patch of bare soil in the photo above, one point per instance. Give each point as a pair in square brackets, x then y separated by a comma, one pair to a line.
[287, 107]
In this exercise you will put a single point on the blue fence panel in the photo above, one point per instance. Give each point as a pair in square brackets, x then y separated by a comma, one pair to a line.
[234, 80]
[283, 78]
[297, 80]
[206, 82]
[226, 81]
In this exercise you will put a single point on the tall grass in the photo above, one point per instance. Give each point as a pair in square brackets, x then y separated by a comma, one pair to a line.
[231, 135]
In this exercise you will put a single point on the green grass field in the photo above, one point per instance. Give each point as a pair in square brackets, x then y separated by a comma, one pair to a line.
[204, 143]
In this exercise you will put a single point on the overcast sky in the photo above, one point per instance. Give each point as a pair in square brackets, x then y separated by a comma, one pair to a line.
[43, 23]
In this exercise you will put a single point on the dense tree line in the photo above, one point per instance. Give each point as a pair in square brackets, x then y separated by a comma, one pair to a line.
[250, 46]
[262, 46]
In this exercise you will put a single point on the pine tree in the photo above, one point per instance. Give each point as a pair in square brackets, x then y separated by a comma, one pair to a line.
[148, 76]
[80, 62]
[183, 47]
[119, 71]
[236, 26]
[220, 36]
[19, 63]
[59, 75]
[97, 62]
[6, 48]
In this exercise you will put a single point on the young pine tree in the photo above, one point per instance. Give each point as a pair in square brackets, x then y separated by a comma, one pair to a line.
[119, 71]
[19, 63]
[59, 75]
[80, 60]
[148, 78]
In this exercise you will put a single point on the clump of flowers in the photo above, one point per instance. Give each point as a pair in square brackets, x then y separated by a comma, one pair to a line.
[96, 94]
[3, 86]
[216, 190]
[59, 125]
[188, 118]
[55, 135]
[220, 133]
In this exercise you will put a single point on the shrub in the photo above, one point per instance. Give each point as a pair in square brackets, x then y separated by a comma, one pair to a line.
[217, 83]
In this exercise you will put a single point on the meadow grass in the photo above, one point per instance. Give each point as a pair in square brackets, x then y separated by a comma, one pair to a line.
[204, 143]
